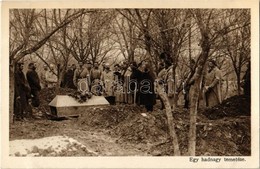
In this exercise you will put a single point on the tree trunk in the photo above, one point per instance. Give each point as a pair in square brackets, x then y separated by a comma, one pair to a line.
[193, 116]
[175, 96]
[170, 121]
[238, 84]
[60, 78]
[198, 76]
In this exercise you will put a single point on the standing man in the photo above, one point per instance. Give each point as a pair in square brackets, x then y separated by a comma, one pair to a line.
[68, 77]
[118, 84]
[107, 79]
[212, 85]
[145, 79]
[22, 92]
[95, 75]
[129, 87]
[80, 74]
[34, 82]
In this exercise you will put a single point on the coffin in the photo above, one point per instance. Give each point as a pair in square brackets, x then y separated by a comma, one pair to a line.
[63, 105]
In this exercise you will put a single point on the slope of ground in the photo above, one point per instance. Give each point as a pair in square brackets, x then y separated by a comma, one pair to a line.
[129, 130]
[231, 107]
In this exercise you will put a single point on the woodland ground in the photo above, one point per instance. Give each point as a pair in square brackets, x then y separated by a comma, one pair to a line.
[122, 130]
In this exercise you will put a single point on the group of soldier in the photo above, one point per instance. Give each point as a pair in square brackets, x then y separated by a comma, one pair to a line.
[129, 83]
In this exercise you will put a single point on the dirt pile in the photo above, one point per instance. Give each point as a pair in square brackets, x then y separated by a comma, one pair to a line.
[129, 122]
[142, 128]
[227, 136]
[231, 107]
[107, 116]
[221, 130]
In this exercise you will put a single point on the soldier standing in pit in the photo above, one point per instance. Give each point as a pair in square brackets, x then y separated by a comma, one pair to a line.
[34, 82]
[22, 93]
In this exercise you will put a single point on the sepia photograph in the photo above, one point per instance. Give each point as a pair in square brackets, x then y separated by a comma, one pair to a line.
[131, 82]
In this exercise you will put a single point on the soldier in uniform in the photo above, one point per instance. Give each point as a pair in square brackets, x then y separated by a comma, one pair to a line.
[107, 79]
[80, 75]
[95, 75]
[145, 84]
[119, 79]
[22, 93]
[34, 82]
[68, 77]
[212, 85]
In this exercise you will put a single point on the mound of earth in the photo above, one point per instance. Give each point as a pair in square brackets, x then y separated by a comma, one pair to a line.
[107, 116]
[221, 130]
[142, 128]
[227, 136]
[231, 107]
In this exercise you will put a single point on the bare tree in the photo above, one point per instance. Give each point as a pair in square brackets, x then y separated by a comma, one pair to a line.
[211, 33]
[237, 43]
[92, 36]
[26, 39]
[126, 36]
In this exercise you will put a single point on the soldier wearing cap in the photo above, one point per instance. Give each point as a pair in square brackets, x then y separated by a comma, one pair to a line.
[34, 82]
[80, 77]
[107, 79]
